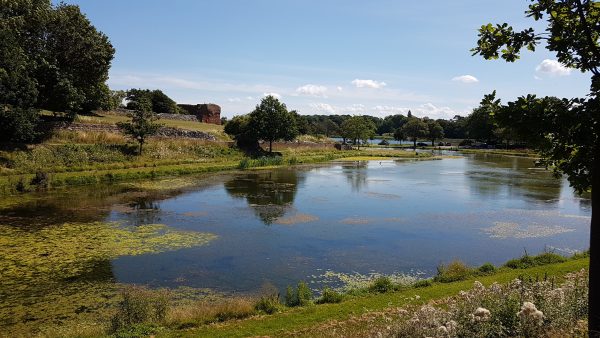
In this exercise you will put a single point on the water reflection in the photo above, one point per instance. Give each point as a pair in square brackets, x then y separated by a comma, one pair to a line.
[356, 174]
[270, 194]
[493, 175]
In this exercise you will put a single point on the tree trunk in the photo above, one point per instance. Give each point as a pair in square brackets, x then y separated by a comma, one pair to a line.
[594, 296]
[270, 146]
[141, 146]
[414, 144]
[433, 142]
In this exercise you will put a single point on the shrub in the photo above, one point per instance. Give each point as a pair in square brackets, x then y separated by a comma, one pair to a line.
[329, 296]
[140, 306]
[381, 285]
[527, 261]
[300, 297]
[268, 304]
[452, 272]
[422, 283]
[40, 180]
[486, 269]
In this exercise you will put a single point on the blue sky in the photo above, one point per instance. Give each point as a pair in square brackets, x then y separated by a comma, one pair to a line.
[321, 57]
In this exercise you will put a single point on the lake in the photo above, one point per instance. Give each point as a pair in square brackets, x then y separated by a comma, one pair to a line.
[285, 225]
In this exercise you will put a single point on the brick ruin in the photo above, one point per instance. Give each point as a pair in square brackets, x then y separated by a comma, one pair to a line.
[207, 113]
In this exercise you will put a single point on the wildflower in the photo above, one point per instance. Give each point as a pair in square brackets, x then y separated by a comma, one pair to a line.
[443, 330]
[478, 286]
[530, 312]
[451, 325]
[481, 315]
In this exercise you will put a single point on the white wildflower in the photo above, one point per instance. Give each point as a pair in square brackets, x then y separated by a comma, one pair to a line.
[530, 313]
[481, 315]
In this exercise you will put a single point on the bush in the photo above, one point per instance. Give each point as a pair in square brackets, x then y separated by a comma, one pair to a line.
[486, 269]
[422, 283]
[300, 297]
[527, 261]
[268, 304]
[381, 285]
[41, 180]
[329, 296]
[18, 125]
[140, 306]
[452, 272]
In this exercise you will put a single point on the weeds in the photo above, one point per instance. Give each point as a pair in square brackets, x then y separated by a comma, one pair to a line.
[302, 296]
[452, 272]
[140, 306]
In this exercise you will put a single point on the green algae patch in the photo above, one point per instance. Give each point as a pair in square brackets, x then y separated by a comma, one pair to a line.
[367, 158]
[64, 271]
[66, 250]
[164, 184]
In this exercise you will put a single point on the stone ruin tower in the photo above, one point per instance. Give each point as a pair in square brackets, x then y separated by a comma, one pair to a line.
[207, 113]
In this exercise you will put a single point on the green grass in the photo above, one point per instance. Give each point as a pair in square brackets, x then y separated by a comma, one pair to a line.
[305, 317]
[512, 152]
[105, 118]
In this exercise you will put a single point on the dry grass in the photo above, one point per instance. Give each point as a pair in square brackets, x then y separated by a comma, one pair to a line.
[87, 137]
[202, 311]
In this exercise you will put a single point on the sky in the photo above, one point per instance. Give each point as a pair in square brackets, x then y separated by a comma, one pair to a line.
[377, 57]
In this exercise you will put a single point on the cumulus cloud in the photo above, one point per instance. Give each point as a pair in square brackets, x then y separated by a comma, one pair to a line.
[275, 95]
[323, 107]
[368, 84]
[312, 90]
[234, 99]
[465, 79]
[553, 68]
[339, 89]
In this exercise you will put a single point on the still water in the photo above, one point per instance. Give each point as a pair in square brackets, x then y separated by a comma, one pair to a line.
[285, 225]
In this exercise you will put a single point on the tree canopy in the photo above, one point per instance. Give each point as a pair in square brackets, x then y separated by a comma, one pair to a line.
[414, 129]
[358, 128]
[160, 103]
[142, 123]
[569, 129]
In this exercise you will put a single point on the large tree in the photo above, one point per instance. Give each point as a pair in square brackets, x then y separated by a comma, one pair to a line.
[572, 127]
[159, 101]
[358, 128]
[414, 129]
[434, 131]
[51, 57]
[271, 121]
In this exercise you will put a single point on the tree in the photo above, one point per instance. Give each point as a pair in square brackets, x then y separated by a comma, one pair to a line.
[414, 129]
[399, 135]
[142, 123]
[358, 128]
[116, 99]
[244, 136]
[572, 126]
[18, 124]
[159, 101]
[434, 131]
[480, 124]
[51, 57]
[271, 121]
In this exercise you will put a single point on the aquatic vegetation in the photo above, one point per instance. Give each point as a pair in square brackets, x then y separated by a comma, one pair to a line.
[452, 272]
[505, 230]
[356, 220]
[356, 282]
[164, 184]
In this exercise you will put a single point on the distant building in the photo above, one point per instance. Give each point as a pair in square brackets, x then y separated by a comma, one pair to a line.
[207, 113]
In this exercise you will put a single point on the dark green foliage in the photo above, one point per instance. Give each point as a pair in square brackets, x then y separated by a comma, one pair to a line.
[452, 272]
[423, 283]
[414, 129]
[381, 285]
[434, 131]
[40, 180]
[271, 121]
[142, 123]
[527, 261]
[486, 269]
[139, 306]
[481, 125]
[238, 128]
[268, 304]
[116, 99]
[358, 129]
[52, 57]
[160, 103]
[302, 296]
[18, 124]
[329, 296]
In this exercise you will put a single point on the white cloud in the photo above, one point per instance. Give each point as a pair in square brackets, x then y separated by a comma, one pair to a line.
[323, 107]
[312, 90]
[234, 99]
[275, 95]
[249, 98]
[552, 68]
[465, 79]
[339, 89]
[368, 84]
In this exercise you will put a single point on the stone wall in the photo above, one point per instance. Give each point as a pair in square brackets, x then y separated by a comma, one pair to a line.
[207, 113]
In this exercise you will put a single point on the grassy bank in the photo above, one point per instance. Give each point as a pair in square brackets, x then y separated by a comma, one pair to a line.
[365, 310]
[511, 152]
[73, 158]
